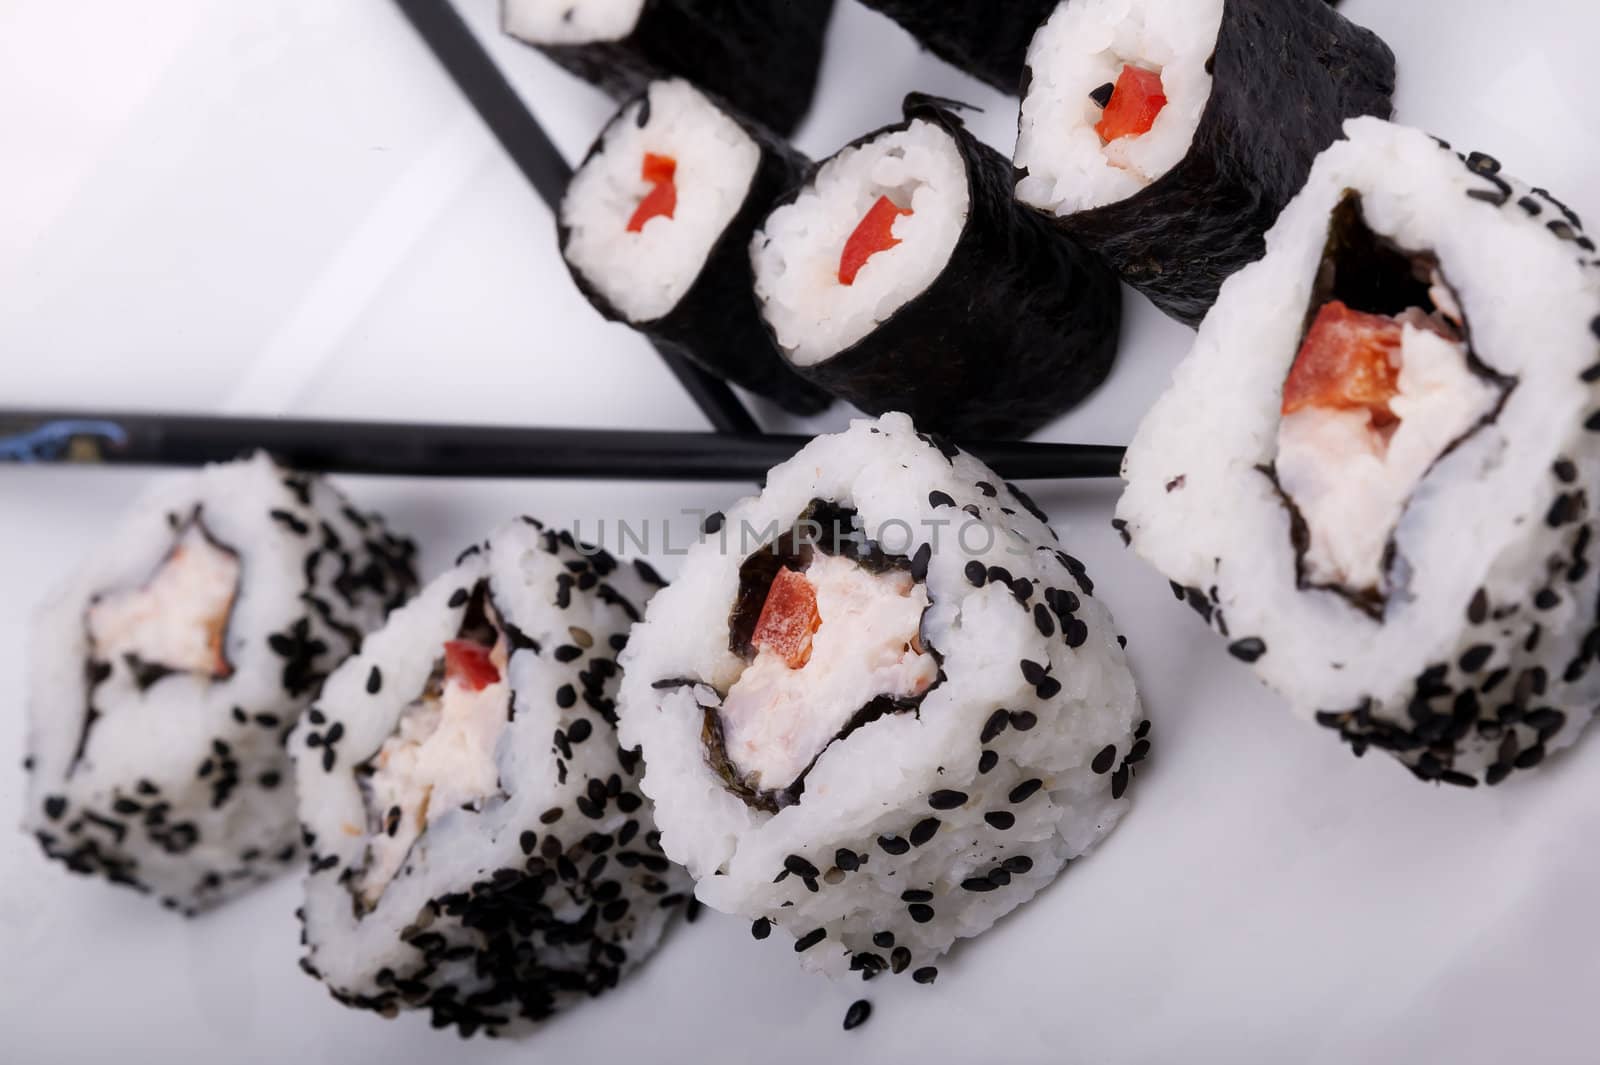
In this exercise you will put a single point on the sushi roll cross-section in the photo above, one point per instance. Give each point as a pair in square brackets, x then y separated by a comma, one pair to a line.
[760, 55]
[881, 707]
[1370, 475]
[170, 669]
[1168, 134]
[479, 847]
[903, 276]
[655, 228]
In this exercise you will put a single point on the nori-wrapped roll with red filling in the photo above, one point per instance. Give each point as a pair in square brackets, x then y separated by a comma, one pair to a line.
[655, 228]
[904, 276]
[1172, 150]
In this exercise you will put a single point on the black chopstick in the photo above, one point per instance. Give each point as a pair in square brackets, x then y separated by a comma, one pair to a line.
[400, 449]
[452, 43]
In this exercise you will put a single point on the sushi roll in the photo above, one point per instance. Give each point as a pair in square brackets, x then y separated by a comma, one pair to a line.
[1168, 134]
[881, 707]
[903, 276]
[760, 55]
[1371, 474]
[168, 671]
[479, 848]
[988, 41]
[655, 228]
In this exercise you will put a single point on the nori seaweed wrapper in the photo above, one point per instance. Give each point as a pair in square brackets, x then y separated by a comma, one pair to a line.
[760, 55]
[717, 323]
[987, 40]
[1019, 326]
[1286, 75]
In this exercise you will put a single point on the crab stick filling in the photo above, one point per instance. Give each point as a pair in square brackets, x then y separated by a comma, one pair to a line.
[1131, 104]
[873, 234]
[829, 641]
[659, 172]
[1370, 405]
[179, 618]
[440, 757]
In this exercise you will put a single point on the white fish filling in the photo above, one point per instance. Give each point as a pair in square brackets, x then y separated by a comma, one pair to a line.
[570, 21]
[645, 274]
[441, 756]
[1352, 481]
[777, 720]
[796, 253]
[179, 618]
[1083, 46]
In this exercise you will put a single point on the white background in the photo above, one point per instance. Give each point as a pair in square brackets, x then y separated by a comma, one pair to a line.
[285, 207]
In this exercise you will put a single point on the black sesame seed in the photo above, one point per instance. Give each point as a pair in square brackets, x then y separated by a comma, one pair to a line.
[916, 895]
[800, 867]
[924, 830]
[919, 562]
[1024, 720]
[1017, 865]
[1105, 759]
[1102, 95]
[713, 523]
[1546, 599]
[761, 928]
[899, 959]
[846, 860]
[1043, 621]
[1249, 649]
[997, 723]
[374, 681]
[946, 799]
[978, 884]
[987, 761]
[857, 1014]
[920, 912]
[1000, 819]
[566, 697]
[1024, 791]
[893, 845]
[1476, 657]
[938, 499]
[552, 815]
[925, 975]
[1032, 672]
[809, 940]
[459, 598]
[883, 940]
[976, 574]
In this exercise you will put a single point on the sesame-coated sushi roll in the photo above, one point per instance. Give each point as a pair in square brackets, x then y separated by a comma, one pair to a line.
[1371, 475]
[1168, 134]
[169, 670]
[987, 40]
[479, 848]
[760, 55]
[881, 707]
[903, 276]
[656, 225]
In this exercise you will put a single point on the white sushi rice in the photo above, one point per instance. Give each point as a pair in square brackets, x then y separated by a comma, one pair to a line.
[978, 798]
[1493, 623]
[644, 274]
[536, 879]
[1083, 46]
[796, 253]
[181, 787]
[569, 21]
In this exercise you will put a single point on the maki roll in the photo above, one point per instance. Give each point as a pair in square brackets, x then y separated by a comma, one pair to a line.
[656, 225]
[903, 276]
[478, 846]
[760, 55]
[988, 41]
[1168, 134]
[881, 707]
[169, 670]
[1371, 474]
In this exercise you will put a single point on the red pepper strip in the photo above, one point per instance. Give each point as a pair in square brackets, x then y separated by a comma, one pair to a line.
[1135, 103]
[1345, 363]
[788, 618]
[469, 663]
[662, 199]
[875, 233]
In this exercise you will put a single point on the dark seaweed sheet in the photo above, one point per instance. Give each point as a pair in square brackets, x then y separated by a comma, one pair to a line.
[987, 40]
[717, 323]
[1287, 75]
[762, 55]
[1020, 325]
